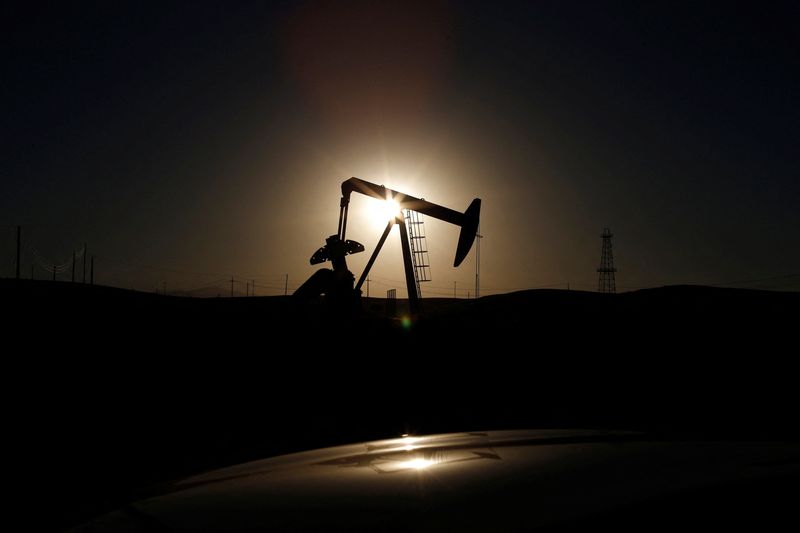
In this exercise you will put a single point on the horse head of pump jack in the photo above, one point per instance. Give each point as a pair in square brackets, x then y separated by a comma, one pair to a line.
[338, 282]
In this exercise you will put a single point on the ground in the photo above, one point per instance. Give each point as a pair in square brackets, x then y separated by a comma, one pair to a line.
[110, 391]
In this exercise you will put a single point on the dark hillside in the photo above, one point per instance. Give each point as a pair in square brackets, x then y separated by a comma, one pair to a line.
[110, 390]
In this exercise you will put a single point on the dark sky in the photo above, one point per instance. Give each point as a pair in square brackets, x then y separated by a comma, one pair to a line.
[190, 141]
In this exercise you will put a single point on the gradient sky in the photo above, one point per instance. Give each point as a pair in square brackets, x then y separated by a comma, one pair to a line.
[190, 141]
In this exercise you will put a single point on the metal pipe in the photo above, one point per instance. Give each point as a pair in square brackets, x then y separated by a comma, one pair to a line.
[344, 221]
[341, 214]
[374, 255]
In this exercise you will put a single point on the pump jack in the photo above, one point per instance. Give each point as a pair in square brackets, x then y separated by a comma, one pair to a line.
[337, 284]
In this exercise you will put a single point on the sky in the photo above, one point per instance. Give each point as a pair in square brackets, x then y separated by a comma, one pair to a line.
[188, 142]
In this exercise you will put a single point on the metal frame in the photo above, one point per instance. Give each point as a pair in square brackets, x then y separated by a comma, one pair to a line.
[338, 246]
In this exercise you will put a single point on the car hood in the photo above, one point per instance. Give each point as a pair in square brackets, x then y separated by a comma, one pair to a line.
[498, 480]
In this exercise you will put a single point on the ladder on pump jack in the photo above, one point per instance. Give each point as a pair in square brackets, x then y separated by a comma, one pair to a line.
[419, 248]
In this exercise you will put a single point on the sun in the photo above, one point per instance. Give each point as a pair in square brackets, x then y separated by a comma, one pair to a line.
[382, 211]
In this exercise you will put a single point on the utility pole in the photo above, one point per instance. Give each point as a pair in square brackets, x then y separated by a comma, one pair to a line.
[367, 287]
[286, 286]
[73, 266]
[19, 247]
[231, 286]
[478, 238]
[91, 276]
[84, 262]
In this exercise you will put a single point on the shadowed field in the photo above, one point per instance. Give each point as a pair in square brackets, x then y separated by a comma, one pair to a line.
[111, 391]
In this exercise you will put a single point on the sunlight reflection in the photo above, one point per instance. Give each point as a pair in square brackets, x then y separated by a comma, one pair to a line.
[419, 463]
[409, 454]
[408, 443]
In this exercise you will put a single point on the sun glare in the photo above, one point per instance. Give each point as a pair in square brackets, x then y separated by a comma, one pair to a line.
[383, 211]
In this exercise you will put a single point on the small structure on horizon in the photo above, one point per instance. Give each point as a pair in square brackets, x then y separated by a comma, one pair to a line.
[607, 283]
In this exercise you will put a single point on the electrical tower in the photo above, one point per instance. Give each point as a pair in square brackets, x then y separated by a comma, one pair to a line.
[606, 283]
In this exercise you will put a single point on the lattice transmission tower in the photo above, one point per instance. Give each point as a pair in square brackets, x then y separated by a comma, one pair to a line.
[606, 283]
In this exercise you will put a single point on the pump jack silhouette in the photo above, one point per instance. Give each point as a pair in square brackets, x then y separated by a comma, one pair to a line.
[337, 284]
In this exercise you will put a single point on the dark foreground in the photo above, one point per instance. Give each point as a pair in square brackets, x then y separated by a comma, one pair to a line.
[504, 481]
[109, 392]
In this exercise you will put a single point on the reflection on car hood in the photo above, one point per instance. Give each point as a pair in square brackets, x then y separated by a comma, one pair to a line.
[506, 480]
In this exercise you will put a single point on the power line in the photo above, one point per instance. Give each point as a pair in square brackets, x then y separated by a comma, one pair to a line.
[757, 280]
